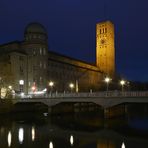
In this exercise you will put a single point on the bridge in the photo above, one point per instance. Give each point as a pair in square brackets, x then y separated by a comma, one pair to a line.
[104, 99]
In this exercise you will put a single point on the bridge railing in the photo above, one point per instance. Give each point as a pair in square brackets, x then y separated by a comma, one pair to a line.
[100, 94]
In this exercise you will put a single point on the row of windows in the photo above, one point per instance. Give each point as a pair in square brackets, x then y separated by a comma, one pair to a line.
[33, 36]
[42, 51]
[103, 30]
[103, 46]
[42, 64]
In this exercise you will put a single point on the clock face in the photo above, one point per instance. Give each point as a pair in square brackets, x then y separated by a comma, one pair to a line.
[103, 41]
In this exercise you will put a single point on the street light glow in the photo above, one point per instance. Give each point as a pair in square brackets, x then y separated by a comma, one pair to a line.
[122, 82]
[21, 82]
[51, 83]
[33, 88]
[107, 79]
[10, 87]
[71, 85]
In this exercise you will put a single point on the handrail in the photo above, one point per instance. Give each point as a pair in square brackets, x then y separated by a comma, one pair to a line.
[94, 94]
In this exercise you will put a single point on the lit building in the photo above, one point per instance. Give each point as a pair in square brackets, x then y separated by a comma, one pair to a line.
[105, 48]
[31, 61]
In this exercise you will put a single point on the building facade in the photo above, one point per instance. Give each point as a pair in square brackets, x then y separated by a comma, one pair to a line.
[32, 66]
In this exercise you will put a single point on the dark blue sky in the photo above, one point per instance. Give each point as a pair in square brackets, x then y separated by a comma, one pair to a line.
[71, 28]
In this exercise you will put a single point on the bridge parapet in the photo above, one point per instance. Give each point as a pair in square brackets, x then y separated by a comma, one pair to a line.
[100, 94]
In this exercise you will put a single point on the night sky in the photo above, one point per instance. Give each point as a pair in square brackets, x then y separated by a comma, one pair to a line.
[71, 28]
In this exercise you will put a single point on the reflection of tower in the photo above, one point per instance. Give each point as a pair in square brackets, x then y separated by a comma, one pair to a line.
[105, 50]
[105, 144]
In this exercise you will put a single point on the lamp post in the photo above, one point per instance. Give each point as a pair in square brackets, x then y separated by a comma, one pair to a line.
[21, 82]
[51, 84]
[71, 85]
[107, 80]
[122, 82]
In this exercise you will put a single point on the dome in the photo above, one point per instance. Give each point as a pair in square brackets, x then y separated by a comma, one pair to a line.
[35, 28]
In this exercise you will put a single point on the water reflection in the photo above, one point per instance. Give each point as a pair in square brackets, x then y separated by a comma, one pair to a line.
[9, 138]
[50, 145]
[21, 135]
[71, 140]
[73, 130]
[33, 133]
[123, 145]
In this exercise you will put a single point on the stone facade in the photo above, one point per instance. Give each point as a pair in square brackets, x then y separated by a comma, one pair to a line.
[31, 61]
[105, 49]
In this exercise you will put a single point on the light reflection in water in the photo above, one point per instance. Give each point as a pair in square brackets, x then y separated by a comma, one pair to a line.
[123, 145]
[50, 145]
[71, 140]
[9, 138]
[21, 135]
[33, 133]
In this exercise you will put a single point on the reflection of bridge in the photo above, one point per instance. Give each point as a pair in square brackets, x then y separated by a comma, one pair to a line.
[104, 99]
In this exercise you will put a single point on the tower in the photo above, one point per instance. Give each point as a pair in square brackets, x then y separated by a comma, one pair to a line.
[105, 50]
[36, 47]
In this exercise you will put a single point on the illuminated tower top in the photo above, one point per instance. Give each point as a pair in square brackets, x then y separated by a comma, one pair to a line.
[105, 50]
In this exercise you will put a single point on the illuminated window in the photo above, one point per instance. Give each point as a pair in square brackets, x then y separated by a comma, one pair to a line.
[40, 78]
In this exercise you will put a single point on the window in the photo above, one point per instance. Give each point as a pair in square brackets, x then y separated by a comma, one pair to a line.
[40, 51]
[100, 31]
[45, 65]
[34, 53]
[40, 64]
[40, 78]
[44, 51]
[105, 30]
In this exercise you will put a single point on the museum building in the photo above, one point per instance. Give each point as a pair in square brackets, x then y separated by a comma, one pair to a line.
[29, 65]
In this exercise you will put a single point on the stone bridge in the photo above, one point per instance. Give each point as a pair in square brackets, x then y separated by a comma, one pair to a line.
[104, 99]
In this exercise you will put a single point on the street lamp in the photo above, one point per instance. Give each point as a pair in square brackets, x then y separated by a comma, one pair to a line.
[107, 80]
[51, 84]
[71, 85]
[10, 87]
[21, 82]
[122, 82]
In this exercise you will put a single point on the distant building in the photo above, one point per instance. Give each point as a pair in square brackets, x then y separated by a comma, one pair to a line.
[31, 64]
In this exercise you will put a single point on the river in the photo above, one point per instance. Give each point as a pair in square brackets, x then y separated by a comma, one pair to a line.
[74, 130]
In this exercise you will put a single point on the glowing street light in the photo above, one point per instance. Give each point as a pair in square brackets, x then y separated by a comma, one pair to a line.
[33, 88]
[10, 87]
[107, 80]
[71, 85]
[51, 84]
[21, 82]
[122, 82]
